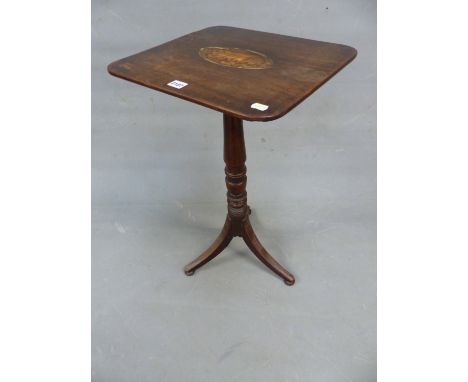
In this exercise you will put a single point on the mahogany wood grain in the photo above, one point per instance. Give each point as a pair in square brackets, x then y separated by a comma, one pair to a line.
[229, 69]
[289, 69]
[237, 220]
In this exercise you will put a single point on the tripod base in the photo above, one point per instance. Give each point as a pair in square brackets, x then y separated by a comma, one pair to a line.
[247, 233]
[237, 220]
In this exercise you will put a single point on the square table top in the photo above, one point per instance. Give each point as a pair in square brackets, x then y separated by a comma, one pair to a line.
[251, 75]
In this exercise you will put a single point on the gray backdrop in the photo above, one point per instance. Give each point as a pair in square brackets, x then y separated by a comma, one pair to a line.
[159, 200]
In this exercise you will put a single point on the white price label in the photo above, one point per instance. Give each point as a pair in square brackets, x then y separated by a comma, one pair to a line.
[259, 106]
[177, 84]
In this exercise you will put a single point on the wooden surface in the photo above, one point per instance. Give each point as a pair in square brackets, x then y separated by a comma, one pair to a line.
[237, 219]
[229, 69]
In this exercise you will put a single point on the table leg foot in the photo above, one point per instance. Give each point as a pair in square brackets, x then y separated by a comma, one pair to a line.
[213, 250]
[262, 254]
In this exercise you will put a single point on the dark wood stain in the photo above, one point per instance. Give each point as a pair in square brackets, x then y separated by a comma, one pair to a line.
[237, 220]
[211, 62]
[299, 67]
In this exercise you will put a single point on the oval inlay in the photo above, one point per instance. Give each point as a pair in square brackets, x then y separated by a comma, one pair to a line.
[235, 57]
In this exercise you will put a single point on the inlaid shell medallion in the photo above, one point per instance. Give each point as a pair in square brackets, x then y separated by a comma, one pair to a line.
[236, 57]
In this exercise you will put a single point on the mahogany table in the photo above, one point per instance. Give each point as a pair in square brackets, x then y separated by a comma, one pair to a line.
[246, 75]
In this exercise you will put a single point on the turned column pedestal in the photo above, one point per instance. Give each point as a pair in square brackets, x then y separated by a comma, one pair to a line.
[237, 219]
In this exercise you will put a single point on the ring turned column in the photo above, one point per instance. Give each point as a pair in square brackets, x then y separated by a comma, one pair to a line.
[237, 219]
[236, 173]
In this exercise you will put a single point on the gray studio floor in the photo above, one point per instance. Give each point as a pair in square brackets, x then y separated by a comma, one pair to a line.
[159, 201]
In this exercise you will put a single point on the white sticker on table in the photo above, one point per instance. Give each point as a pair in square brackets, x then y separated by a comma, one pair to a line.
[259, 106]
[177, 84]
